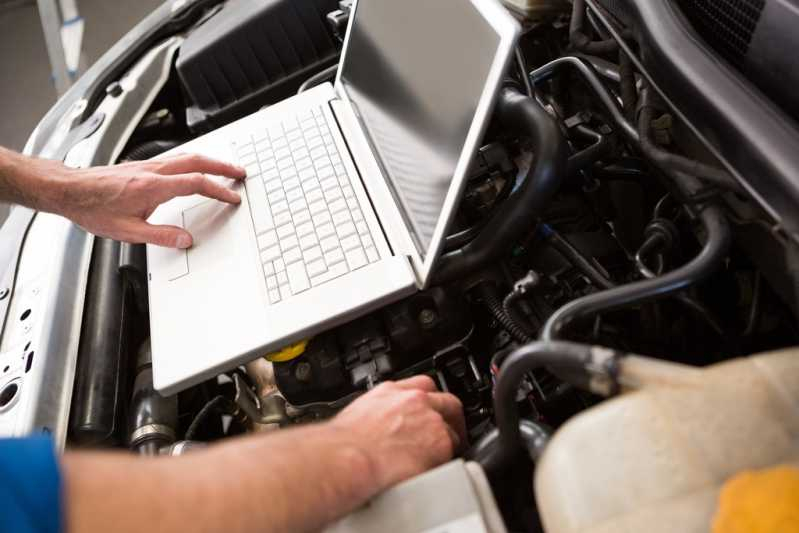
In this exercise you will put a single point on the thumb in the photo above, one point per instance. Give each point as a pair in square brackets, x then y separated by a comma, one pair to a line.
[167, 236]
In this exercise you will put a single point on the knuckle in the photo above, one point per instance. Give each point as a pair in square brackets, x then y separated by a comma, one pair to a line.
[415, 396]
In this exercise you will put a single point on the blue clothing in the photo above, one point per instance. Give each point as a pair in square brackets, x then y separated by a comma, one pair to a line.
[30, 486]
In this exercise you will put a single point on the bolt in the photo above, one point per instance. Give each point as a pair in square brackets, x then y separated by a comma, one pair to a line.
[303, 372]
[427, 317]
[115, 89]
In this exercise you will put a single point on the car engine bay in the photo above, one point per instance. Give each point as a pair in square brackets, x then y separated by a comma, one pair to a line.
[597, 213]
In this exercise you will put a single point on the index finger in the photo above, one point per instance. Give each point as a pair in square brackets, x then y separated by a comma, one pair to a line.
[451, 408]
[186, 164]
[422, 382]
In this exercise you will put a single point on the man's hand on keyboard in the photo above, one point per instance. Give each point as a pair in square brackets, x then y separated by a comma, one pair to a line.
[116, 201]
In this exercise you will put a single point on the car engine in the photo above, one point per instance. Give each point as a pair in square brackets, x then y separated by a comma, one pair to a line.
[609, 205]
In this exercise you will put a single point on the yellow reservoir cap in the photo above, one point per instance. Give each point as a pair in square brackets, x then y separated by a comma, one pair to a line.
[292, 351]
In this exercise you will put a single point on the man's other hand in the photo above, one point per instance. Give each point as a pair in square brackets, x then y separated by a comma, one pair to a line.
[405, 427]
[116, 201]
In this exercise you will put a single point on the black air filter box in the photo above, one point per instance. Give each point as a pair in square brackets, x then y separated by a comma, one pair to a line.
[253, 53]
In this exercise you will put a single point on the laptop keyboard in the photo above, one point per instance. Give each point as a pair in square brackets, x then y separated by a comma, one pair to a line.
[307, 219]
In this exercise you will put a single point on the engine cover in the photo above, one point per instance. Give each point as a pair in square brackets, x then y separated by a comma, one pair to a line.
[253, 53]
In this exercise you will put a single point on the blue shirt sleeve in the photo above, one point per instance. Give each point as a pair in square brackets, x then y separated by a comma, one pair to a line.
[30, 486]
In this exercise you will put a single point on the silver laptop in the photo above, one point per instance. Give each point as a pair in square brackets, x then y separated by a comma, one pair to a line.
[350, 190]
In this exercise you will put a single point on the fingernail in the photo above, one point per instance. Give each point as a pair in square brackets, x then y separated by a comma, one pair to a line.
[241, 170]
[183, 241]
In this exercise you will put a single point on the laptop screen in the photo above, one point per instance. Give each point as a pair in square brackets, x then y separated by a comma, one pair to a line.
[415, 71]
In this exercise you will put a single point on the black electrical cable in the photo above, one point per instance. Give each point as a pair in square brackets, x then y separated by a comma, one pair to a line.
[527, 200]
[216, 403]
[318, 78]
[494, 305]
[511, 307]
[583, 42]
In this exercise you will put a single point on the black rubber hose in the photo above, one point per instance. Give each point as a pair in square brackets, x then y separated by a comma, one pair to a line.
[587, 72]
[219, 403]
[149, 150]
[153, 417]
[565, 356]
[494, 305]
[669, 162]
[524, 115]
[583, 42]
[488, 451]
[575, 257]
[629, 94]
[97, 401]
[711, 257]
[706, 263]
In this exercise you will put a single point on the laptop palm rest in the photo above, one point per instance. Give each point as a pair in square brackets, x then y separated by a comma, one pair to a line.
[213, 229]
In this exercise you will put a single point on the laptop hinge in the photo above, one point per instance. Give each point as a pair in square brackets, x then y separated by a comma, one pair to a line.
[385, 205]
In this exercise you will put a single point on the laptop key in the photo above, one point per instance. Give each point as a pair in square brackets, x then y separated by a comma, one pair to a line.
[298, 279]
[346, 229]
[351, 243]
[330, 243]
[267, 240]
[356, 258]
[308, 241]
[274, 296]
[334, 256]
[302, 217]
[316, 268]
[312, 254]
[270, 254]
[291, 257]
[305, 229]
[372, 255]
[285, 291]
[325, 230]
[261, 217]
[332, 273]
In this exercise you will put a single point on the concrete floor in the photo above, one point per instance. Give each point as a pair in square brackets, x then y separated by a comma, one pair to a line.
[26, 90]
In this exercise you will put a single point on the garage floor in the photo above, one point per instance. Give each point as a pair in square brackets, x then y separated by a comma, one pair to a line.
[26, 91]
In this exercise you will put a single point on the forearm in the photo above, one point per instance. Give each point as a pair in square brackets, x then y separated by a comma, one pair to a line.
[28, 181]
[293, 480]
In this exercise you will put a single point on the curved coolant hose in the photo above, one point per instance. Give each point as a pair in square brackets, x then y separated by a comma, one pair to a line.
[567, 357]
[524, 115]
[706, 263]
[713, 254]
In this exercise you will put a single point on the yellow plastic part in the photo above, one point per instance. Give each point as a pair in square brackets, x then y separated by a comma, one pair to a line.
[288, 353]
[761, 501]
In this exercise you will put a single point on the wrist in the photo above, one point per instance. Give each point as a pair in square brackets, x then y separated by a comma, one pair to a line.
[357, 459]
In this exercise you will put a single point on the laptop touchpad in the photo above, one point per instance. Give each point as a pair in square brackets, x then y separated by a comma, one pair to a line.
[210, 224]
